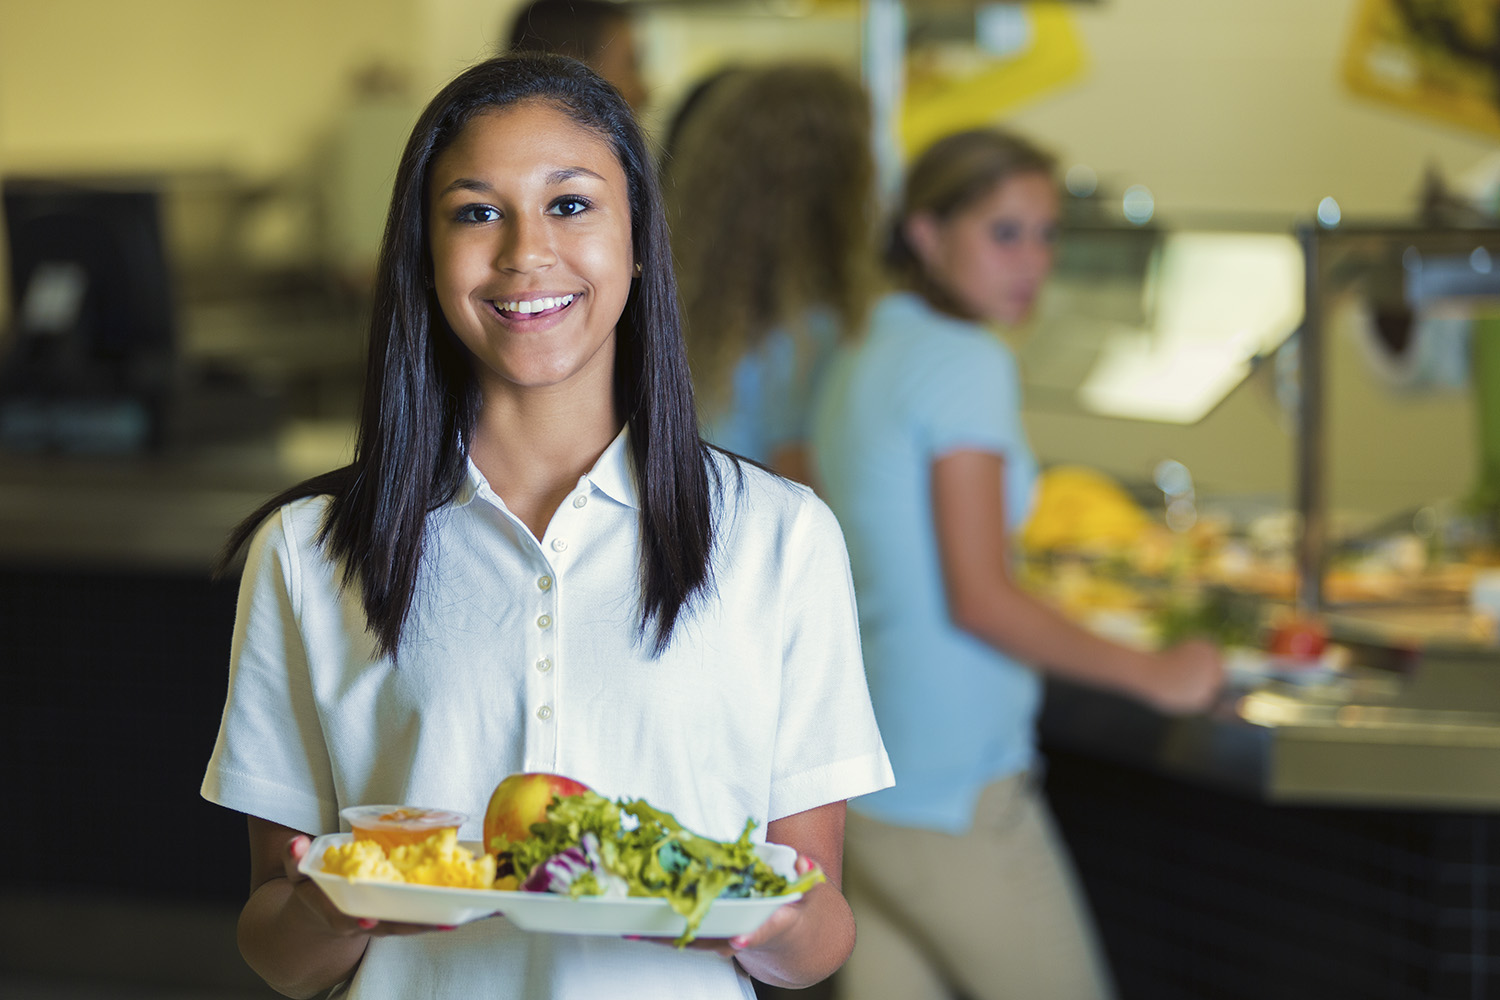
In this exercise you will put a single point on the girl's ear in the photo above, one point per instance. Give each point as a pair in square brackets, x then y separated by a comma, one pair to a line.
[924, 235]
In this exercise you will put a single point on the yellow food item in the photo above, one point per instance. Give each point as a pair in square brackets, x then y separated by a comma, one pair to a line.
[1072, 587]
[437, 860]
[361, 859]
[1080, 509]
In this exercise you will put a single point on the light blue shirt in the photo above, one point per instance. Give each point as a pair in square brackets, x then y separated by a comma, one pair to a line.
[955, 713]
[771, 390]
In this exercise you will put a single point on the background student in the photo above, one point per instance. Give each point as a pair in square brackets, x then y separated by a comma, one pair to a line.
[771, 184]
[596, 32]
[921, 452]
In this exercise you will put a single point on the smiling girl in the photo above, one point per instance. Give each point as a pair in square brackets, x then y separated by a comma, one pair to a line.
[533, 563]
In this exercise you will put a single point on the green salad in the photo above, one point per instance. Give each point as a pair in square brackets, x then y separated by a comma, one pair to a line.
[591, 846]
[1218, 615]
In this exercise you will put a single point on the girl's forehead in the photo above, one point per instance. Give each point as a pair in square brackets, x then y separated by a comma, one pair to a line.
[534, 126]
[1020, 193]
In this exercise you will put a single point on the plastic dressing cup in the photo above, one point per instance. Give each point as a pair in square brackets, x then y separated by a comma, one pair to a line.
[392, 826]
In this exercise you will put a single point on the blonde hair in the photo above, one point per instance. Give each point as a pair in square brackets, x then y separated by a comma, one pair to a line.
[952, 174]
[770, 189]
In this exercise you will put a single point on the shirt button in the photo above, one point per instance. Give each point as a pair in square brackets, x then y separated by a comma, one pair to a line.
[544, 622]
[544, 664]
[544, 582]
[544, 713]
[558, 545]
[580, 500]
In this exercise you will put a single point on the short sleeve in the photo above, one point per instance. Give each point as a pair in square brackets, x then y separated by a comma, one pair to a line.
[971, 397]
[828, 746]
[793, 371]
[271, 759]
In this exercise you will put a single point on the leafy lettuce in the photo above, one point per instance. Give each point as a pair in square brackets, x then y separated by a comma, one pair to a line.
[589, 845]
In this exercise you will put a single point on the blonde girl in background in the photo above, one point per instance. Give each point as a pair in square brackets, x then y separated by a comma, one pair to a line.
[770, 186]
[959, 883]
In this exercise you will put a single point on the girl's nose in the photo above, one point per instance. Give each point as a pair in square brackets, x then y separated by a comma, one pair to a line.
[526, 247]
[1039, 255]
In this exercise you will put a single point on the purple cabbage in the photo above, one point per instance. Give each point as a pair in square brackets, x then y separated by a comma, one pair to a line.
[578, 866]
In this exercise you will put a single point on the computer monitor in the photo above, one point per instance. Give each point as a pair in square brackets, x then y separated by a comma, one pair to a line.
[90, 356]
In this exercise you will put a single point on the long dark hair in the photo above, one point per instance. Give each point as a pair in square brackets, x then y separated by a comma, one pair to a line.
[421, 397]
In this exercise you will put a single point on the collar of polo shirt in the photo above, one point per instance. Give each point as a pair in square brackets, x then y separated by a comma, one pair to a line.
[611, 475]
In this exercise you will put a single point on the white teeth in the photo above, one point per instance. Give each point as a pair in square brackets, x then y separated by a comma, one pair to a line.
[527, 306]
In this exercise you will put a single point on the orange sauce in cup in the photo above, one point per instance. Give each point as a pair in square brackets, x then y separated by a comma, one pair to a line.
[393, 826]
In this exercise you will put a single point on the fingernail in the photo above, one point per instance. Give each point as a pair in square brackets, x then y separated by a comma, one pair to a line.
[738, 942]
[447, 927]
[632, 937]
[367, 923]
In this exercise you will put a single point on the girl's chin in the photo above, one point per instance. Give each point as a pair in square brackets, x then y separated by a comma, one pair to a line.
[1014, 313]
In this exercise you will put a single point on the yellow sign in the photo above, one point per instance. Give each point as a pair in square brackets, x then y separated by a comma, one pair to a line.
[948, 89]
[1436, 57]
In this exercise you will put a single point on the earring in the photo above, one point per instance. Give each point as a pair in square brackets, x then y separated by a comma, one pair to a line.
[637, 267]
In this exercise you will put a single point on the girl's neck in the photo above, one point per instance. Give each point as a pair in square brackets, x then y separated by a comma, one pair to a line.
[532, 447]
[939, 298]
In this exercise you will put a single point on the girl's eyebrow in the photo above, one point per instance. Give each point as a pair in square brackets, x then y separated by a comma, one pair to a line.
[468, 184]
[568, 173]
[557, 176]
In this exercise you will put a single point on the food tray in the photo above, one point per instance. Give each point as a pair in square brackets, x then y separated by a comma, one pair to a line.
[541, 911]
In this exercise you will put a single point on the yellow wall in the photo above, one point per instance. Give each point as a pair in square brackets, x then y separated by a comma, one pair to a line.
[95, 84]
[1238, 104]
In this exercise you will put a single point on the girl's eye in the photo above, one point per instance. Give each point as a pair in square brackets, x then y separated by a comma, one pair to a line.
[569, 206]
[1005, 232]
[1050, 235]
[477, 213]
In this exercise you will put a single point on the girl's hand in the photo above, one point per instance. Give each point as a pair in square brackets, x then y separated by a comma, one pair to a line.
[1185, 678]
[800, 943]
[307, 892]
[783, 921]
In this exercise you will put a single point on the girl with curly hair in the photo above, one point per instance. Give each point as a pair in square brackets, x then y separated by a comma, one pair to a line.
[770, 182]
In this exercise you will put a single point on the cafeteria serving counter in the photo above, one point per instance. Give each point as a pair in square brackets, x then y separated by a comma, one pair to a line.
[1426, 738]
[164, 511]
[1323, 838]
[114, 652]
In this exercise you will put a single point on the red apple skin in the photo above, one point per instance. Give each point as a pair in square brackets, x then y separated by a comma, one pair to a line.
[521, 800]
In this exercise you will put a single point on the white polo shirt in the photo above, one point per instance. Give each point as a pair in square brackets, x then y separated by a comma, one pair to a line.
[520, 655]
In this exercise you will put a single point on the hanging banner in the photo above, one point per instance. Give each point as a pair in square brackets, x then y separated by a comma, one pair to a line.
[1437, 58]
[1016, 53]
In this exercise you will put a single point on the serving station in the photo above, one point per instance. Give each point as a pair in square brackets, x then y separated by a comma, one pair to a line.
[1329, 829]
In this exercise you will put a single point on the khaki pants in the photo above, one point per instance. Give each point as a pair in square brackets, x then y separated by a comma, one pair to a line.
[993, 914]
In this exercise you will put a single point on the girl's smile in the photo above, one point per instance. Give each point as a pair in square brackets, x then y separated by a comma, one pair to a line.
[533, 307]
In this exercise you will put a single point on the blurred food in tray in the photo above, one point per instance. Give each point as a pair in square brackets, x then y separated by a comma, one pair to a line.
[1111, 561]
